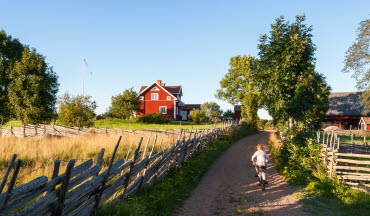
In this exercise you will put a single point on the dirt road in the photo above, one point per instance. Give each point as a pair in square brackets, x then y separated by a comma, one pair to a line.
[230, 188]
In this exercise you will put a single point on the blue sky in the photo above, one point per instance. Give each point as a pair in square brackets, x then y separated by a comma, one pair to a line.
[188, 43]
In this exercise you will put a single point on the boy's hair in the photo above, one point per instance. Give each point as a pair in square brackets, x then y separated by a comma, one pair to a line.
[259, 146]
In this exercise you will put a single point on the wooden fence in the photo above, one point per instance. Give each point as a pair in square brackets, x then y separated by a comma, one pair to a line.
[352, 169]
[81, 189]
[63, 130]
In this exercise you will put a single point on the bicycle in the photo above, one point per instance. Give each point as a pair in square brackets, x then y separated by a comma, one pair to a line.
[262, 177]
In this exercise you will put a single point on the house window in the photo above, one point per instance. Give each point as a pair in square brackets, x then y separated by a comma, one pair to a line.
[154, 96]
[163, 109]
[154, 89]
[141, 97]
[168, 97]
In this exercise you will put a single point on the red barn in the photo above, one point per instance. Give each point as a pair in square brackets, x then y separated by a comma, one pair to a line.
[345, 111]
[237, 112]
[159, 98]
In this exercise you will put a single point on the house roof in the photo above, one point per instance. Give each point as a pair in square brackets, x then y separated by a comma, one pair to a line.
[191, 106]
[345, 104]
[170, 89]
[237, 108]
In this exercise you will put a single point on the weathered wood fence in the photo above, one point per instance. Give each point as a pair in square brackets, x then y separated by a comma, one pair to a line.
[352, 169]
[81, 189]
[64, 130]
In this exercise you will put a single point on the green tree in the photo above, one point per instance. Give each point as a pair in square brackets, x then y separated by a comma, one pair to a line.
[10, 52]
[76, 110]
[198, 116]
[126, 104]
[228, 115]
[212, 110]
[286, 77]
[238, 86]
[358, 61]
[32, 88]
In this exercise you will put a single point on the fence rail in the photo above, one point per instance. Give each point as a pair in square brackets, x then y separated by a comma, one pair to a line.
[352, 169]
[81, 189]
[63, 130]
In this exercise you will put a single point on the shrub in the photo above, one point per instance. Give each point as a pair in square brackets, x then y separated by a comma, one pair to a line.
[76, 110]
[198, 116]
[156, 118]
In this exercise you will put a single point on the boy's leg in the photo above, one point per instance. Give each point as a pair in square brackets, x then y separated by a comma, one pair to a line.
[256, 174]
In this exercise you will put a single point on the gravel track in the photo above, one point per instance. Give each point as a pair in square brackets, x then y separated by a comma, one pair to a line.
[230, 188]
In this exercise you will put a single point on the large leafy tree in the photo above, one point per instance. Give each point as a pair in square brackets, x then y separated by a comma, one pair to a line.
[212, 110]
[10, 52]
[76, 110]
[126, 104]
[32, 88]
[291, 88]
[28, 86]
[358, 61]
[238, 86]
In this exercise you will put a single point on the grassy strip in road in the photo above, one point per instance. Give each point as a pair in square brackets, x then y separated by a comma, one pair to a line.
[169, 194]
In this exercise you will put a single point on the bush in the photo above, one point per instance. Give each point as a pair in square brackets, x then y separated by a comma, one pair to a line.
[76, 110]
[155, 118]
[198, 116]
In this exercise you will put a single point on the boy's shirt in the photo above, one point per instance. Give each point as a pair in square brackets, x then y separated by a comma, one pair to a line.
[261, 157]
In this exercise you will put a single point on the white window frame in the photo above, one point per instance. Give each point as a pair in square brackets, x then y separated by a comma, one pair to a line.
[168, 97]
[154, 98]
[165, 109]
[155, 88]
[141, 97]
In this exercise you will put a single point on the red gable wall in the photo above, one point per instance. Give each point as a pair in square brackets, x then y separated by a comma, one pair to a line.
[152, 106]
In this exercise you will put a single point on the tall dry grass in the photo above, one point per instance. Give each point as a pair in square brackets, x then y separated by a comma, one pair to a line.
[39, 154]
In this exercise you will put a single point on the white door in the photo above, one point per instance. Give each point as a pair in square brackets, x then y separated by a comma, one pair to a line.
[184, 115]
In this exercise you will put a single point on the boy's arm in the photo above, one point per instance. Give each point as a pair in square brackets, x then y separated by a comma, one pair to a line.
[267, 156]
[254, 156]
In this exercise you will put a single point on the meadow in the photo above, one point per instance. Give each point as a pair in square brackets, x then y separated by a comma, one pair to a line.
[38, 154]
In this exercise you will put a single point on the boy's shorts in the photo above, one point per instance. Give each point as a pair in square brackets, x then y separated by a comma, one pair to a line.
[262, 167]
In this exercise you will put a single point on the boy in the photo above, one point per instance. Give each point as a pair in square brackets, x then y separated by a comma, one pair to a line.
[260, 158]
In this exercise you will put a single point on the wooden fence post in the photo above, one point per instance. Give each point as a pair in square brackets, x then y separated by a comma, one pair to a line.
[105, 179]
[99, 161]
[10, 186]
[143, 179]
[5, 178]
[55, 173]
[63, 189]
[136, 156]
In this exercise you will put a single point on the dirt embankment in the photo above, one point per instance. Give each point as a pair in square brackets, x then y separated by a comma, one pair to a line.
[230, 188]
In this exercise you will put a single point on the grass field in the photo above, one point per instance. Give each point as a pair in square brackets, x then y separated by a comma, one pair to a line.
[39, 154]
[111, 123]
[133, 125]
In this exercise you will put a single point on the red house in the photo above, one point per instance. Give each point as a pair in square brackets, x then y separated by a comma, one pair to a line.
[159, 98]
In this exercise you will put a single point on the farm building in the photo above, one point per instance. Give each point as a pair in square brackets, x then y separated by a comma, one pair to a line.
[159, 98]
[346, 112]
[237, 112]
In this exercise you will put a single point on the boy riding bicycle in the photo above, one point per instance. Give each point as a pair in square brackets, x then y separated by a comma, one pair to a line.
[260, 159]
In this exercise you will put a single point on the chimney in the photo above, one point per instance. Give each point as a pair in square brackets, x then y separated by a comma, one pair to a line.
[160, 83]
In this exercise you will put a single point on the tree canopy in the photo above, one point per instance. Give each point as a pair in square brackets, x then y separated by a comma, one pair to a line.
[125, 105]
[212, 110]
[76, 110]
[358, 60]
[291, 88]
[282, 79]
[239, 86]
[28, 86]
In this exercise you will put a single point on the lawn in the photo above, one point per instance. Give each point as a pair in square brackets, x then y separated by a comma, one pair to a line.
[133, 125]
[112, 123]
